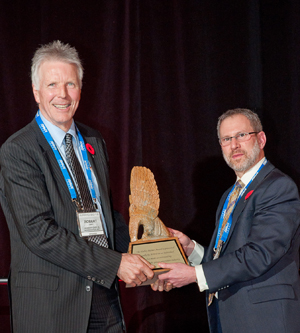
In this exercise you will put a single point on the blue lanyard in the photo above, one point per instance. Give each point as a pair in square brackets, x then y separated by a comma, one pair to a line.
[229, 222]
[61, 162]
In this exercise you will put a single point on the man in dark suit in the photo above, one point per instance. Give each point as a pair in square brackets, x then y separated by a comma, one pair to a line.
[250, 270]
[61, 280]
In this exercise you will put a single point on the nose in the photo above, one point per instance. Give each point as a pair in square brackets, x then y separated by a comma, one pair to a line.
[234, 143]
[63, 91]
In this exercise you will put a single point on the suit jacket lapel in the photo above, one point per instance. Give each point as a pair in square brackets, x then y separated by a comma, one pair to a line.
[96, 161]
[242, 202]
[48, 153]
[210, 250]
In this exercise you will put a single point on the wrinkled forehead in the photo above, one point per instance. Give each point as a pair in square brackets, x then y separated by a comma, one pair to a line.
[235, 124]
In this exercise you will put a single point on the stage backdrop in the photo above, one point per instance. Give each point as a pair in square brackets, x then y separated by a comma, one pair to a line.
[157, 76]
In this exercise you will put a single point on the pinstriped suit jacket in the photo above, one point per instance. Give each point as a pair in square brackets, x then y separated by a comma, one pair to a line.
[52, 267]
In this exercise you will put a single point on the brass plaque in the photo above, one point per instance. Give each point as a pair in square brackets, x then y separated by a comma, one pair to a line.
[166, 250]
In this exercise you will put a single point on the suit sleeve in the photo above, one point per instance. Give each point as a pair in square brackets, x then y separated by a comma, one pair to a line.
[40, 216]
[122, 238]
[270, 223]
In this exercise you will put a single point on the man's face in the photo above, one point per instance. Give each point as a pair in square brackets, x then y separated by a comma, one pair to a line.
[241, 156]
[59, 93]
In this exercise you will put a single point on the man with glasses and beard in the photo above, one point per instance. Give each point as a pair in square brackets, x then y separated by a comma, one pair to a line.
[250, 270]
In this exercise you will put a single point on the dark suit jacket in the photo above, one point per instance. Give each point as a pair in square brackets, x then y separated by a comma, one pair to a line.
[52, 268]
[257, 274]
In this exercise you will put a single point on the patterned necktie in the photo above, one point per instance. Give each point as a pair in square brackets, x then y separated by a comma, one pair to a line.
[83, 191]
[231, 204]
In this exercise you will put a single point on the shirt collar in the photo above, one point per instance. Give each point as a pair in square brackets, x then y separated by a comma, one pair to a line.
[57, 134]
[250, 173]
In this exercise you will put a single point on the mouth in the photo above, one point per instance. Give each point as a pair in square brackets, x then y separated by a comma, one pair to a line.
[237, 155]
[61, 106]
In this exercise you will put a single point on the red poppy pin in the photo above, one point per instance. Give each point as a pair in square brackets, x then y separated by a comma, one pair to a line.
[90, 148]
[248, 195]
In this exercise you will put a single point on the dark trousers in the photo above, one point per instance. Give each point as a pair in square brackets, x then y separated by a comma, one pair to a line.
[105, 316]
[214, 317]
[219, 327]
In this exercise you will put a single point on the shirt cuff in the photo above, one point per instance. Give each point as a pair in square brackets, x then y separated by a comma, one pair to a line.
[195, 258]
[201, 280]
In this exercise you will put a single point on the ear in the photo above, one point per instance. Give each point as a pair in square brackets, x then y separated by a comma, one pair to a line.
[261, 139]
[36, 94]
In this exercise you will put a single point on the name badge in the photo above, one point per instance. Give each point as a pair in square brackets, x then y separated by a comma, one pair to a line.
[89, 224]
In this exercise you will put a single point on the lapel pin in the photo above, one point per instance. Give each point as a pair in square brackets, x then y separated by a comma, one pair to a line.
[248, 195]
[90, 149]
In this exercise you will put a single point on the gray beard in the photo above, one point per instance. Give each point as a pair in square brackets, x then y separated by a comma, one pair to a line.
[248, 163]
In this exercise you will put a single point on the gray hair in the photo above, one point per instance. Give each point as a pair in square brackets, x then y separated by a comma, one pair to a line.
[252, 116]
[54, 51]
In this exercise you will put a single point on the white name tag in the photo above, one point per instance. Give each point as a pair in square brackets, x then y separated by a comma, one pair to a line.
[89, 224]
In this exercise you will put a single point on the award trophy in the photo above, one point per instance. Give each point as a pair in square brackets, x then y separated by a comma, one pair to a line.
[156, 244]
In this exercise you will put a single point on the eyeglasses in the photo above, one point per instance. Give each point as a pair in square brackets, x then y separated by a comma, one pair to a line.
[241, 137]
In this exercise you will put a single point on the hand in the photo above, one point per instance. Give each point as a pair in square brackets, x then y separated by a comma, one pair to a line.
[134, 269]
[179, 275]
[161, 285]
[187, 244]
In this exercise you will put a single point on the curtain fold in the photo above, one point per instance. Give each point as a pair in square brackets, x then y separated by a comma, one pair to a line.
[157, 76]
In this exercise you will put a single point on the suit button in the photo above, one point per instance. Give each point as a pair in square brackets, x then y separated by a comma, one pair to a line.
[89, 278]
[93, 279]
[102, 281]
[88, 288]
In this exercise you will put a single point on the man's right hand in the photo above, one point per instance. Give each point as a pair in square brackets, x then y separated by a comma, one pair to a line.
[187, 244]
[134, 269]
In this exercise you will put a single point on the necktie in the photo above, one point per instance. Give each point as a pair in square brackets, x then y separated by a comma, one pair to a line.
[83, 191]
[231, 204]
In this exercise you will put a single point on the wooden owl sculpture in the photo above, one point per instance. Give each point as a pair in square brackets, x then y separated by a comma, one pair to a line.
[144, 205]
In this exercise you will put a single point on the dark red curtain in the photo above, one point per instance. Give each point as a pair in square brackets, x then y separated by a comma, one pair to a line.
[157, 76]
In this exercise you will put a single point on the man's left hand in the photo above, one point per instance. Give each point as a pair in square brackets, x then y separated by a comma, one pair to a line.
[179, 275]
[161, 285]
